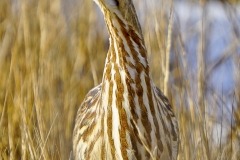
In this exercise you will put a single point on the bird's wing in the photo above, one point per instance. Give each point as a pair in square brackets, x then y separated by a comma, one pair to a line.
[88, 106]
[86, 115]
[90, 99]
[173, 125]
[86, 120]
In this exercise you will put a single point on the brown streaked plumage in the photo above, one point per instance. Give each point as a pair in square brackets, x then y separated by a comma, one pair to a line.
[126, 116]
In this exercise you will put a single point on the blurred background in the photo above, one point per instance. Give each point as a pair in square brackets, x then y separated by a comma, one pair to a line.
[53, 52]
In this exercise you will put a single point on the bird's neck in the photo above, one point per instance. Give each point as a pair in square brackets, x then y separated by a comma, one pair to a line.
[127, 89]
[126, 70]
[127, 53]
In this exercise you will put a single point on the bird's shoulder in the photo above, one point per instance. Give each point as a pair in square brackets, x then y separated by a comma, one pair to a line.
[166, 106]
[86, 113]
[90, 98]
[164, 99]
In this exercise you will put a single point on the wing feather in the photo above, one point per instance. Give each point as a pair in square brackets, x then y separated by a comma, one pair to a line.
[86, 117]
[174, 132]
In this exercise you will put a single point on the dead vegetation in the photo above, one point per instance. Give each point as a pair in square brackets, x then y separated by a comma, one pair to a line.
[50, 56]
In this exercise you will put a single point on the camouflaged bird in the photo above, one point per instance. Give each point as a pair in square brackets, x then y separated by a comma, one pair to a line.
[126, 116]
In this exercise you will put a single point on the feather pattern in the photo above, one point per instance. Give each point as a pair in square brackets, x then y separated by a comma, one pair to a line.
[126, 116]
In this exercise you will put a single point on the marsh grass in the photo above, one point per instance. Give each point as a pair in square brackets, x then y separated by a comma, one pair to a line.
[50, 56]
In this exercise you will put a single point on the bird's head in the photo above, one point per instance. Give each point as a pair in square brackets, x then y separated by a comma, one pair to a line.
[123, 8]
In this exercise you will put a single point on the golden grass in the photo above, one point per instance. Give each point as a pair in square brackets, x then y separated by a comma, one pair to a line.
[48, 62]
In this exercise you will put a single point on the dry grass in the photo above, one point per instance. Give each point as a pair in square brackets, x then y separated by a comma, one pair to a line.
[49, 60]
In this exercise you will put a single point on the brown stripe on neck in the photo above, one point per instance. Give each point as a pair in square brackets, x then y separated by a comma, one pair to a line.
[109, 121]
[144, 115]
[130, 32]
[131, 35]
[111, 58]
[122, 113]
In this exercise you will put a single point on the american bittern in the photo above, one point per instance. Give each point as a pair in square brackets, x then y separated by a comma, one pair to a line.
[126, 116]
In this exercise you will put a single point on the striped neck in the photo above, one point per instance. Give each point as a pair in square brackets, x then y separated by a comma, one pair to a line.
[127, 52]
[126, 87]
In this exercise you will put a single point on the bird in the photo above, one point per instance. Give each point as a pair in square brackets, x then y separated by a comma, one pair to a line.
[125, 117]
